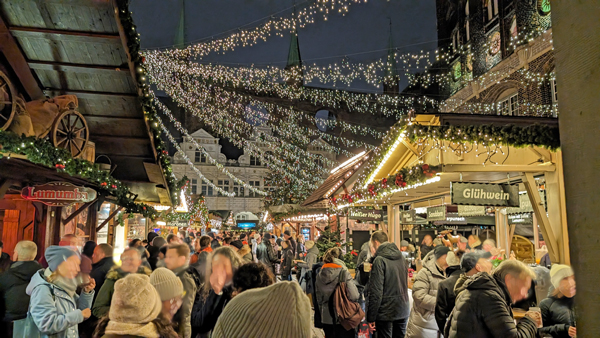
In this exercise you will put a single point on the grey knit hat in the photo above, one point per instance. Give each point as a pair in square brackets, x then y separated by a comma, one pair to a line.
[279, 310]
[166, 283]
[55, 255]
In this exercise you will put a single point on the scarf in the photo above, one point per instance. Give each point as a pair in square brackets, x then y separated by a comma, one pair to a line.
[69, 285]
[147, 330]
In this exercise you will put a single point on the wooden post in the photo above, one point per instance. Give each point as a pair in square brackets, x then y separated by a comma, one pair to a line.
[540, 213]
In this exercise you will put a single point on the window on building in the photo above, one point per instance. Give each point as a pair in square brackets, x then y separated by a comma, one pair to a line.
[255, 184]
[319, 162]
[254, 160]
[509, 105]
[238, 189]
[467, 25]
[554, 92]
[223, 184]
[199, 157]
[489, 7]
[207, 190]
[194, 186]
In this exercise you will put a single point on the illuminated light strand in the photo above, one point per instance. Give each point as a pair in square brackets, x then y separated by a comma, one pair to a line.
[190, 163]
[214, 162]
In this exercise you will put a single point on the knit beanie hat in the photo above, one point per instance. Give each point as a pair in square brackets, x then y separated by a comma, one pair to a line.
[403, 243]
[166, 283]
[279, 310]
[58, 254]
[238, 244]
[134, 300]
[439, 251]
[451, 259]
[558, 272]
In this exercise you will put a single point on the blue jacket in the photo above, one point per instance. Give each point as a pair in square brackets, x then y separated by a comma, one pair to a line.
[53, 311]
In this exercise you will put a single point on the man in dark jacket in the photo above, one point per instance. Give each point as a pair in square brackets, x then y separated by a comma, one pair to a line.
[388, 304]
[265, 253]
[483, 304]
[470, 264]
[13, 284]
[177, 261]
[426, 245]
[102, 260]
[287, 235]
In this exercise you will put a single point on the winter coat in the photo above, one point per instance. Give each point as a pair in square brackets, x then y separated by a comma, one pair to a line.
[200, 263]
[387, 288]
[99, 271]
[265, 253]
[102, 301]
[446, 298]
[327, 280]
[483, 310]
[206, 312]
[54, 312]
[421, 323]
[246, 254]
[557, 316]
[184, 314]
[13, 284]
[364, 254]
[153, 259]
[286, 262]
[5, 262]
[311, 259]
[316, 269]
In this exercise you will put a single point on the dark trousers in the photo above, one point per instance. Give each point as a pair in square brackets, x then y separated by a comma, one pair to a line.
[337, 331]
[395, 329]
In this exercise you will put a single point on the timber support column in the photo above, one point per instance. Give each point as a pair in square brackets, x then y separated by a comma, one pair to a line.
[576, 36]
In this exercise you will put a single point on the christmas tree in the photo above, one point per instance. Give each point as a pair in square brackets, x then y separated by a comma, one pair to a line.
[331, 239]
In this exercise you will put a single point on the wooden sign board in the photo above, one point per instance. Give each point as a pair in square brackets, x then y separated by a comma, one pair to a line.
[58, 194]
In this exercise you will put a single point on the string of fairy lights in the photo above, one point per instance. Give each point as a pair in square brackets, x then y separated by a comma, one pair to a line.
[225, 97]
[210, 159]
[274, 26]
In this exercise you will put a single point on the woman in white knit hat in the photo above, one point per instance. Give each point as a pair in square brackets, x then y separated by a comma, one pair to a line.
[558, 314]
[135, 311]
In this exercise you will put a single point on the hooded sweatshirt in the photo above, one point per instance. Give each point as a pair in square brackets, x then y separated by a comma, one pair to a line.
[329, 277]
[13, 284]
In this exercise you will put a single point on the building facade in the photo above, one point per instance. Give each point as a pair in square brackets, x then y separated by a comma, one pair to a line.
[498, 57]
[246, 167]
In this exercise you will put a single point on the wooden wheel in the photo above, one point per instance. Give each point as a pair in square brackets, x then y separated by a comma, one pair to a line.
[8, 102]
[70, 131]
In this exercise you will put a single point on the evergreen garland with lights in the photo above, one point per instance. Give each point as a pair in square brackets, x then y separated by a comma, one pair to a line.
[332, 239]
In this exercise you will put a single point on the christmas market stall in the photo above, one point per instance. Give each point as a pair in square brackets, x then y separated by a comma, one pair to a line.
[80, 150]
[446, 174]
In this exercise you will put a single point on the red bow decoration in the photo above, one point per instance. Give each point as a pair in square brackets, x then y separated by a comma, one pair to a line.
[400, 181]
[372, 189]
[384, 183]
[60, 166]
[103, 184]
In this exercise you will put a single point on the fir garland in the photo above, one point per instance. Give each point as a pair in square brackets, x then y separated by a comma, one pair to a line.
[487, 135]
[40, 151]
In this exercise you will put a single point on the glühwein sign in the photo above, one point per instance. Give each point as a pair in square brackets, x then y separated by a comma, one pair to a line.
[488, 194]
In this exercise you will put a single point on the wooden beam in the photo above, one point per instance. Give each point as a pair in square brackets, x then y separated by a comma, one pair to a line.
[75, 67]
[15, 57]
[86, 94]
[542, 218]
[109, 218]
[78, 211]
[39, 32]
[474, 168]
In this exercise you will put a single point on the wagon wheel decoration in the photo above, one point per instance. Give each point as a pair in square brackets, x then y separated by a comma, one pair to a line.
[70, 132]
[8, 102]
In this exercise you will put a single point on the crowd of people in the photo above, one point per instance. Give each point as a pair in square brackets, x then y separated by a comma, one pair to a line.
[242, 285]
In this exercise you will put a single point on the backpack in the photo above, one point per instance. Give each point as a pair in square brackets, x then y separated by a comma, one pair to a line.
[349, 313]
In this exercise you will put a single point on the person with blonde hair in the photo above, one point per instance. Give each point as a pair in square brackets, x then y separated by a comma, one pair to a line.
[483, 304]
[13, 284]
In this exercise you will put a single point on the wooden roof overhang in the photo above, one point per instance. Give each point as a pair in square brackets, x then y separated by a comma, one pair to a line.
[78, 47]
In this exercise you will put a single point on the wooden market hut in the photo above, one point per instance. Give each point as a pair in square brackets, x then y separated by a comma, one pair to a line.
[88, 49]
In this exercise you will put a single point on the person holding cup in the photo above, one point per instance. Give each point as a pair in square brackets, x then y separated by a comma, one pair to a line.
[55, 308]
[557, 311]
[483, 304]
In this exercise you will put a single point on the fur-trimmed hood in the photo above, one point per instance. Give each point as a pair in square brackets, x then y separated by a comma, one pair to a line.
[115, 273]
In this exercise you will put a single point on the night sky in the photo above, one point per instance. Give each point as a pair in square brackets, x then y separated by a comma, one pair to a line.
[361, 35]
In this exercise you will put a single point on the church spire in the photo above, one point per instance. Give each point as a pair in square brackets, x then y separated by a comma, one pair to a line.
[391, 79]
[294, 61]
[180, 36]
